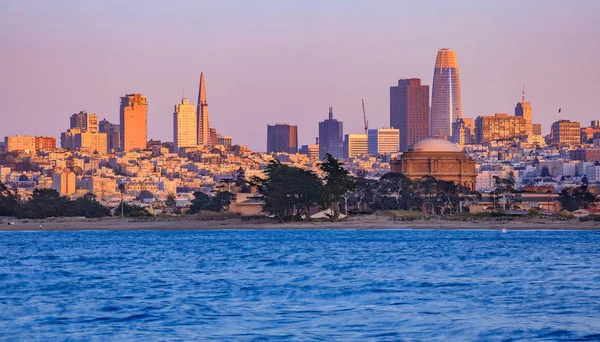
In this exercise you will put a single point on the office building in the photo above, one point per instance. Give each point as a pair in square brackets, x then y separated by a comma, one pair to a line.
[565, 132]
[185, 127]
[203, 128]
[501, 126]
[134, 122]
[282, 138]
[355, 145]
[409, 111]
[311, 151]
[523, 109]
[331, 133]
[446, 103]
[383, 141]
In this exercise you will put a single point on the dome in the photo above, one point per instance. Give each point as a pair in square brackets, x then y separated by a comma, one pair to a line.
[433, 145]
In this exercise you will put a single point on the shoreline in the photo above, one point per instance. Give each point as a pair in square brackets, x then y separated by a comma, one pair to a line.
[365, 223]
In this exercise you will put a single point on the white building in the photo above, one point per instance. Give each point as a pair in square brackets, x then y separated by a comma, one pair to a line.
[355, 145]
[383, 141]
[185, 129]
[593, 173]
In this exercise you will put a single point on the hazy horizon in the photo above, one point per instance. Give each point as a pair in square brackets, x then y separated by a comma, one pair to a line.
[274, 62]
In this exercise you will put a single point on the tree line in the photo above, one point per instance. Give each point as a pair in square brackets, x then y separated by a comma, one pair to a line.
[290, 192]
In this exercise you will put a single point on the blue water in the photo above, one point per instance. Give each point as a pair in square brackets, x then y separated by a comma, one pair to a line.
[300, 285]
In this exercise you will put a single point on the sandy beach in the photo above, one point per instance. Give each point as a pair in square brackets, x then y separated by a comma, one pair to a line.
[365, 222]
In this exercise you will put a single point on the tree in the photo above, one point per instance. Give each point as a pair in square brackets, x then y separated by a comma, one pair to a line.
[364, 191]
[46, 203]
[504, 189]
[398, 186]
[199, 202]
[88, 206]
[337, 182]
[132, 210]
[171, 200]
[9, 201]
[575, 198]
[287, 192]
[241, 182]
[427, 188]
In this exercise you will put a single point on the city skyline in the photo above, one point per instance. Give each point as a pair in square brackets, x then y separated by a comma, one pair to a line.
[493, 65]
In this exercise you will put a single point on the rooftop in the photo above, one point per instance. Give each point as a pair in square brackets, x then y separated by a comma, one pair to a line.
[433, 145]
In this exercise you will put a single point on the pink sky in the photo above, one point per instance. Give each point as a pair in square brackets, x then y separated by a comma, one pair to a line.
[282, 61]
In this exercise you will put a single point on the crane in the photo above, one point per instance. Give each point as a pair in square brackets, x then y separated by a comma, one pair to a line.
[365, 117]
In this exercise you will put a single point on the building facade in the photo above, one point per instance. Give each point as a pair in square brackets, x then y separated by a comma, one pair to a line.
[501, 126]
[311, 151]
[383, 141]
[356, 145]
[409, 111]
[19, 143]
[523, 109]
[84, 121]
[446, 103]
[113, 135]
[463, 131]
[45, 143]
[331, 133]
[224, 140]
[134, 122]
[64, 182]
[565, 132]
[282, 138]
[185, 126]
[203, 125]
[589, 133]
[437, 158]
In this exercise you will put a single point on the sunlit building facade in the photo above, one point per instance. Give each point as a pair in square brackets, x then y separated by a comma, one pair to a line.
[134, 122]
[355, 145]
[185, 128]
[86, 122]
[383, 141]
[282, 138]
[446, 103]
[409, 111]
[565, 132]
[501, 126]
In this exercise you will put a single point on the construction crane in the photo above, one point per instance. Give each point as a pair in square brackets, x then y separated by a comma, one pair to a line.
[365, 117]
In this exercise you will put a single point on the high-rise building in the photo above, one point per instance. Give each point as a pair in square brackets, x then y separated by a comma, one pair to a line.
[463, 131]
[565, 132]
[355, 145]
[590, 132]
[185, 129]
[213, 136]
[134, 122]
[331, 137]
[523, 109]
[86, 141]
[224, 140]
[202, 115]
[113, 135]
[409, 111]
[446, 103]
[282, 138]
[383, 141]
[537, 129]
[86, 122]
[501, 126]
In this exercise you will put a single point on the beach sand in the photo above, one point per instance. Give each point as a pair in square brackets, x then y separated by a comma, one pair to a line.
[366, 222]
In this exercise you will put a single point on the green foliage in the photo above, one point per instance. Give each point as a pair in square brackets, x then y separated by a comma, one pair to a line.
[9, 201]
[170, 202]
[288, 192]
[46, 203]
[576, 198]
[337, 183]
[504, 192]
[131, 210]
[202, 201]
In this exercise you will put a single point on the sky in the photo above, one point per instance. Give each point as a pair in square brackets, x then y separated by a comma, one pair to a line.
[268, 62]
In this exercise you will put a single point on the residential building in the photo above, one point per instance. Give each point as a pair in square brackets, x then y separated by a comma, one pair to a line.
[565, 132]
[589, 154]
[86, 122]
[87, 141]
[64, 182]
[282, 138]
[331, 132]
[409, 111]
[498, 127]
[589, 133]
[20, 143]
[446, 103]
[45, 143]
[113, 135]
[311, 151]
[356, 145]
[224, 140]
[185, 129]
[383, 141]
[134, 122]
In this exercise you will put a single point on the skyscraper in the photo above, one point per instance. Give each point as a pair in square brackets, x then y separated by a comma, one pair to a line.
[113, 135]
[409, 111]
[523, 109]
[134, 122]
[282, 138]
[202, 115]
[185, 125]
[446, 103]
[331, 133]
[86, 122]
[383, 141]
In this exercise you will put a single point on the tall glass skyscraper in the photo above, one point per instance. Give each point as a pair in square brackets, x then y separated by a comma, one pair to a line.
[331, 133]
[446, 104]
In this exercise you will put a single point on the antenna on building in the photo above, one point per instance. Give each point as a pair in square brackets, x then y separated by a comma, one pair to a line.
[365, 117]
[523, 94]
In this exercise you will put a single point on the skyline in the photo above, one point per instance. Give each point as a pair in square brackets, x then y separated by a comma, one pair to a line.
[276, 63]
